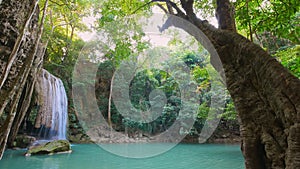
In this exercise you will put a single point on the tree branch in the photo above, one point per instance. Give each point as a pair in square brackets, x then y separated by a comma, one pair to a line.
[146, 4]
[225, 15]
[169, 4]
[178, 10]
[63, 4]
[170, 9]
[56, 3]
[162, 8]
[188, 5]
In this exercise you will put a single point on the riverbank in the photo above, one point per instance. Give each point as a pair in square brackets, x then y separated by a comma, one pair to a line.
[224, 134]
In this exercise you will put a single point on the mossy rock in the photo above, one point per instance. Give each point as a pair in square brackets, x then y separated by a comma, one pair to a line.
[23, 141]
[51, 147]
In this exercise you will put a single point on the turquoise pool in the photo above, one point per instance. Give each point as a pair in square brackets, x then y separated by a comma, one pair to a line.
[91, 156]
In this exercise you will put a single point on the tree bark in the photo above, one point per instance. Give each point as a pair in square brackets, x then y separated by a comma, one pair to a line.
[267, 100]
[225, 15]
[20, 38]
[26, 97]
[265, 94]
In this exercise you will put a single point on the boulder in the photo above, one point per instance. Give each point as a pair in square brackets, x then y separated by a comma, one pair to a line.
[51, 147]
[23, 141]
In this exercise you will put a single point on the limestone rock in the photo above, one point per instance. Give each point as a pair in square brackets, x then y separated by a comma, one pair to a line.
[51, 147]
[23, 141]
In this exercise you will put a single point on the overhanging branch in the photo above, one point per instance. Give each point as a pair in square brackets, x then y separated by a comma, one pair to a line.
[170, 5]
[163, 8]
[188, 6]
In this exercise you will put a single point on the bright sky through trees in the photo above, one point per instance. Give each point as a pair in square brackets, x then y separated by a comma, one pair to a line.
[154, 38]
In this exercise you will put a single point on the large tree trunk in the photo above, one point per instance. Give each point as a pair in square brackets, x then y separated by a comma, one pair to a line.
[267, 99]
[19, 42]
[265, 94]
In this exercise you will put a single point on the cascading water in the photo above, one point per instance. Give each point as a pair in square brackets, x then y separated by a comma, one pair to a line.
[51, 120]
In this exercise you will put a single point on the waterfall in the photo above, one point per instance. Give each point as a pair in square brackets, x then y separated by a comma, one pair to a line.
[52, 115]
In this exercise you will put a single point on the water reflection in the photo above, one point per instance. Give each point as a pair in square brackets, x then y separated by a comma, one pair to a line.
[46, 161]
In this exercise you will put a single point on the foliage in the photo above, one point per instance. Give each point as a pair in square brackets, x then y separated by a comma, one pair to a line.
[63, 21]
[120, 31]
[290, 58]
[280, 18]
[275, 25]
[150, 80]
[122, 37]
[206, 8]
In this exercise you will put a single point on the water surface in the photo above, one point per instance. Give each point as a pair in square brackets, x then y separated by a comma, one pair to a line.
[90, 156]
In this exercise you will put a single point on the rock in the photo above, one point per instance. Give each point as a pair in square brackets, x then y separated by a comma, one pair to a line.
[79, 138]
[23, 141]
[224, 136]
[51, 147]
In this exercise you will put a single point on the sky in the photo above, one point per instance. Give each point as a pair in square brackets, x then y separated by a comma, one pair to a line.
[154, 37]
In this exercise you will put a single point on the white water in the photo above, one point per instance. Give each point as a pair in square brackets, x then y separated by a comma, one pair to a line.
[53, 111]
[59, 110]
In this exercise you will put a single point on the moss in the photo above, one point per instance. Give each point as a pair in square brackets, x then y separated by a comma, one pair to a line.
[51, 147]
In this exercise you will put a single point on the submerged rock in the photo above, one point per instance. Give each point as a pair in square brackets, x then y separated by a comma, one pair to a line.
[51, 147]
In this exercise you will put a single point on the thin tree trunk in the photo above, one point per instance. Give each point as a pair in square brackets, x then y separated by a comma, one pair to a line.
[249, 22]
[109, 100]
